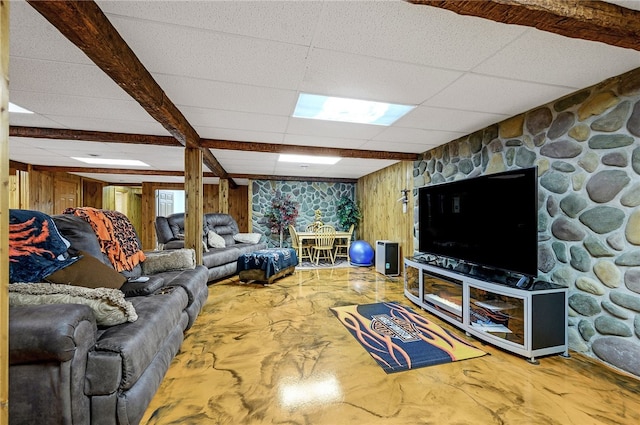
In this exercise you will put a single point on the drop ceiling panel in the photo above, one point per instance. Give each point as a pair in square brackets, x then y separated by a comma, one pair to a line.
[457, 120]
[149, 126]
[496, 95]
[63, 78]
[570, 63]
[213, 55]
[325, 142]
[217, 118]
[239, 135]
[415, 136]
[230, 96]
[80, 106]
[312, 127]
[31, 36]
[411, 33]
[340, 74]
[287, 21]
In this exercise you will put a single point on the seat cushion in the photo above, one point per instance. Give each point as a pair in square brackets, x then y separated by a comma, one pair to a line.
[219, 256]
[138, 342]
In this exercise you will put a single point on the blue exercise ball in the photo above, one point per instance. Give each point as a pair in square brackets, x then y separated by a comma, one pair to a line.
[361, 253]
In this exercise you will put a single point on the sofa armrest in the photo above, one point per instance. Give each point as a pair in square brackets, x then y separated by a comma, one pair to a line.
[49, 332]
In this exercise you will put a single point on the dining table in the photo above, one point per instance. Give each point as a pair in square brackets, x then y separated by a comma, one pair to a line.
[302, 236]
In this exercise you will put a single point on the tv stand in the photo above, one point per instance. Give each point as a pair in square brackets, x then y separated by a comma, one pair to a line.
[521, 319]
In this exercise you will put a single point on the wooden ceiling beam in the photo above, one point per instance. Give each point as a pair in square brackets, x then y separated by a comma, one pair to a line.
[588, 20]
[85, 25]
[92, 136]
[146, 139]
[306, 150]
[170, 173]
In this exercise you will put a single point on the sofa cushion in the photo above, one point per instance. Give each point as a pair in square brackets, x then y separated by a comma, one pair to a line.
[247, 237]
[138, 343]
[218, 256]
[89, 272]
[108, 305]
[214, 240]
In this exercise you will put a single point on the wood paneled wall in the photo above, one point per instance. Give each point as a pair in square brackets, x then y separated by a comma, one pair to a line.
[377, 195]
[39, 190]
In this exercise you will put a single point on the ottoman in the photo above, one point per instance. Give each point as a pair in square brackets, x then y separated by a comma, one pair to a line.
[267, 265]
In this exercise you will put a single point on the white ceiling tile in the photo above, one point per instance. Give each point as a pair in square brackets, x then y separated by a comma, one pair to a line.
[429, 118]
[411, 33]
[80, 106]
[418, 136]
[63, 78]
[291, 22]
[213, 55]
[227, 96]
[312, 127]
[547, 58]
[31, 36]
[496, 95]
[33, 120]
[326, 142]
[239, 135]
[216, 118]
[340, 74]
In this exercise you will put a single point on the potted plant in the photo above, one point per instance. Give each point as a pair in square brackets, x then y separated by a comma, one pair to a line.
[348, 212]
[282, 212]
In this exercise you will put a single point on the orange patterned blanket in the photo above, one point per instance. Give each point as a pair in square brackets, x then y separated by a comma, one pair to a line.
[116, 235]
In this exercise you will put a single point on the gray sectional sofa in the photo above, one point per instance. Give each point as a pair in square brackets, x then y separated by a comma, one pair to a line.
[67, 368]
[220, 262]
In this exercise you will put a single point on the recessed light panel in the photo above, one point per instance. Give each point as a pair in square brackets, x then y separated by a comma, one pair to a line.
[106, 161]
[308, 159]
[348, 110]
[18, 109]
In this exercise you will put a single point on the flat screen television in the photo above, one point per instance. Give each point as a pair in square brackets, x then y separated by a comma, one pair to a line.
[490, 221]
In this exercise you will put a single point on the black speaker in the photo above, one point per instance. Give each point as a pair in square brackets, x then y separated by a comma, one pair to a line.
[388, 258]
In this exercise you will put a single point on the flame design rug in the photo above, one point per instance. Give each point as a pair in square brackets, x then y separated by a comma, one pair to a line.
[400, 339]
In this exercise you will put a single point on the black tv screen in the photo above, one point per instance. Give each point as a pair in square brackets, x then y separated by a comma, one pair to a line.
[489, 220]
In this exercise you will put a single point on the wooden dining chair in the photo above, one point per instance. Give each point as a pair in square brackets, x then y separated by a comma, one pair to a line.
[342, 247]
[295, 244]
[325, 238]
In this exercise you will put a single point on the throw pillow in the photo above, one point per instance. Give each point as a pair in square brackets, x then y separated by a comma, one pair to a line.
[108, 305]
[247, 237]
[164, 261]
[89, 272]
[215, 240]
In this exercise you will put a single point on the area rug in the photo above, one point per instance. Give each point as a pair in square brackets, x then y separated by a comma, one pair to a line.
[400, 339]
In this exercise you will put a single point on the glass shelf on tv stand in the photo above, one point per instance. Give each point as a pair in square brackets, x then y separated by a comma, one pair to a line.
[443, 294]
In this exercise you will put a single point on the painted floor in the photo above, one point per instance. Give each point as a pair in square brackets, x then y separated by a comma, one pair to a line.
[277, 355]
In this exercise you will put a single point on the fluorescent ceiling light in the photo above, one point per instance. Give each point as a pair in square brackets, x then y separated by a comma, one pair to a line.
[308, 159]
[106, 161]
[18, 109]
[348, 110]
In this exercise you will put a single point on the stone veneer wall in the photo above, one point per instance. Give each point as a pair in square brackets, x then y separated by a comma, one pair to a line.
[310, 196]
[586, 147]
